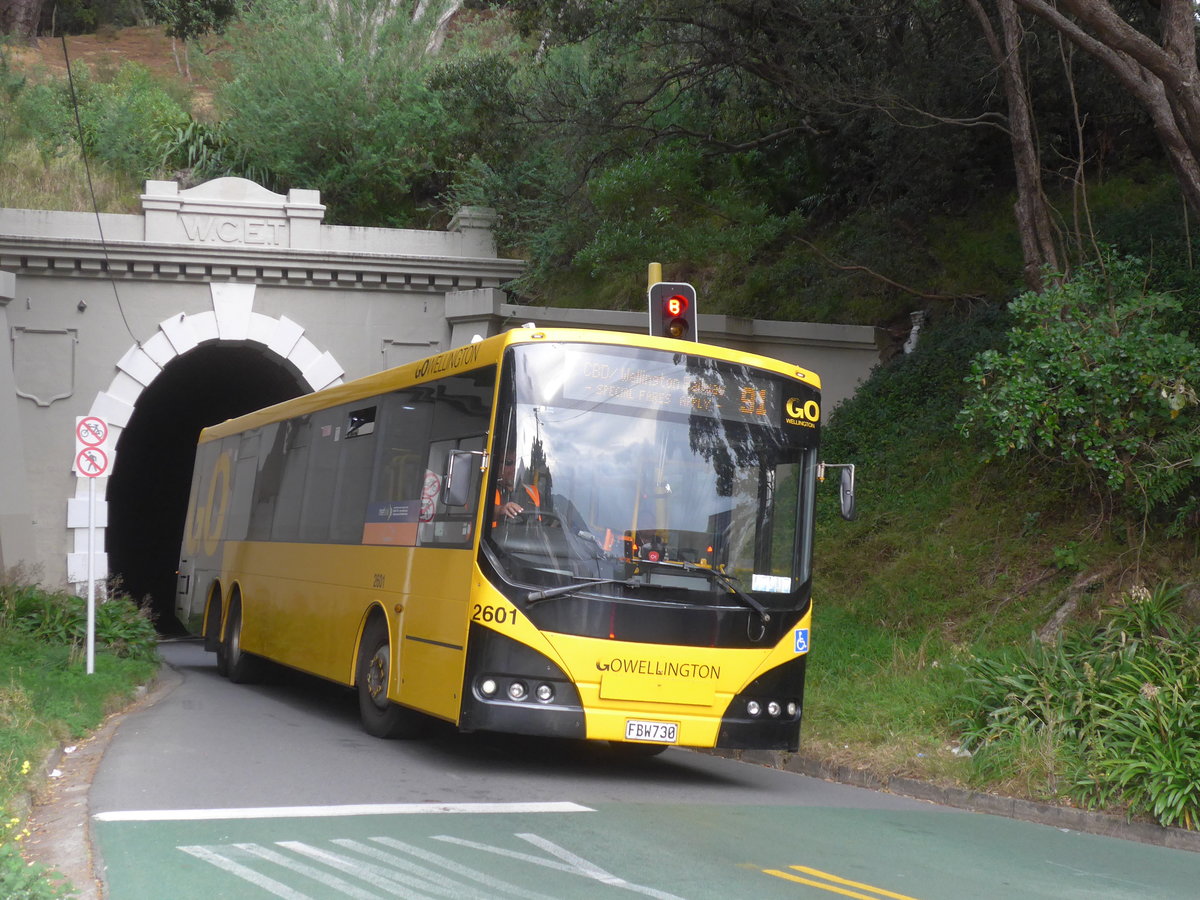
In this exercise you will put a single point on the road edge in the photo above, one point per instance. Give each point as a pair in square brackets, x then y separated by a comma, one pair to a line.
[1064, 817]
[59, 817]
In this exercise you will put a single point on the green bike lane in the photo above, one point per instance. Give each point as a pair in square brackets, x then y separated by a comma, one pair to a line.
[673, 851]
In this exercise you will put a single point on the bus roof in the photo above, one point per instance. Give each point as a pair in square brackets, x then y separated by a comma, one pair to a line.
[483, 353]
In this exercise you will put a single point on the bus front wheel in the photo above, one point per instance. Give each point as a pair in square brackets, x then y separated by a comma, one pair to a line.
[380, 716]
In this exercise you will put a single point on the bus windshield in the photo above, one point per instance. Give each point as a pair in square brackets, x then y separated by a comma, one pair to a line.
[651, 469]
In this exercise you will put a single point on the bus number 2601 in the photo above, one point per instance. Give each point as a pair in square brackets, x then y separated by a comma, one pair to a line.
[497, 614]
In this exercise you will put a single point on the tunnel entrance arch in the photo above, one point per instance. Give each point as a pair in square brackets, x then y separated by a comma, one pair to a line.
[196, 371]
[148, 492]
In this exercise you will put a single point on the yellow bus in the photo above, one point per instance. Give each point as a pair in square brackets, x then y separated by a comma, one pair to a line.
[556, 532]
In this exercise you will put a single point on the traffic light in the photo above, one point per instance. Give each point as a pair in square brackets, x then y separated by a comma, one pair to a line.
[673, 310]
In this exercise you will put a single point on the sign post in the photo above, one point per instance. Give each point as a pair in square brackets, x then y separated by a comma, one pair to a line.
[91, 461]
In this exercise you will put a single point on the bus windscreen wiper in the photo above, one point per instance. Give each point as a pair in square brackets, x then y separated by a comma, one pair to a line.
[535, 596]
[716, 575]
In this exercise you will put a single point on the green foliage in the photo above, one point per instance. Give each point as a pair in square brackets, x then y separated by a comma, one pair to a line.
[20, 880]
[873, 686]
[47, 696]
[124, 120]
[1115, 709]
[1094, 378]
[911, 401]
[188, 19]
[122, 627]
[337, 99]
[205, 151]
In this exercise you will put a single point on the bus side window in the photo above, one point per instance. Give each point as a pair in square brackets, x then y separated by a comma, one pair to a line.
[267, 482]
[393, 503]
[294, 465]
[442, 524]
[321, 477]
[356, 458]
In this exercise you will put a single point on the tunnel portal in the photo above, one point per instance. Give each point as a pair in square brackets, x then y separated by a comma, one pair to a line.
[148, 491]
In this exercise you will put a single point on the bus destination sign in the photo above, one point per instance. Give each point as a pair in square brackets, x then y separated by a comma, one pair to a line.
[641, 384]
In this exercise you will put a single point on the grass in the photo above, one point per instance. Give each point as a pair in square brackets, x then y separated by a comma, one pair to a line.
[47, 698]
[31, 179]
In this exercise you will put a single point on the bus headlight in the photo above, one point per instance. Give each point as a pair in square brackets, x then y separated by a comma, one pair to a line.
[544, 693]
[488, 687]
[774, 709]
[753, 709]
[517, 690]
[792, 709]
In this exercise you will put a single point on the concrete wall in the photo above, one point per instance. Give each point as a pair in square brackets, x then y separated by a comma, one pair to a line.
[93, 307]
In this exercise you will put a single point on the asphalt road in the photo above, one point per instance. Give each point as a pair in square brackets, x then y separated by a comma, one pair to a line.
[222, 790]
[296, 741]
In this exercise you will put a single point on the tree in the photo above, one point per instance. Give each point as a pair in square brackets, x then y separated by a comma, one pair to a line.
[19, 18]
[336, 96]
[190, 19]
[1161, 75]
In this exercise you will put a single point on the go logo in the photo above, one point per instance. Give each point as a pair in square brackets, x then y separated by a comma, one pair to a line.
[808, 411]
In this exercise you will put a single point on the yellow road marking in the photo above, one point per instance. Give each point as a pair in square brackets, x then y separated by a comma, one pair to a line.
[875, 894]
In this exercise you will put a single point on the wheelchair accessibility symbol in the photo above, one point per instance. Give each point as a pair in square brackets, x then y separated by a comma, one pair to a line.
[801, 640]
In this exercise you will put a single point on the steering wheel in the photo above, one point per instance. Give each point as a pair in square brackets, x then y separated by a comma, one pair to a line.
[527, 517]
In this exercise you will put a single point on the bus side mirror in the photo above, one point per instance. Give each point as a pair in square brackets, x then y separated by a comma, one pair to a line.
[846, 493]
[845, 486]
[460, 465]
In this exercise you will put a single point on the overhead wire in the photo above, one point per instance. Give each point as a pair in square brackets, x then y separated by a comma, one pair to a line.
[92, 192]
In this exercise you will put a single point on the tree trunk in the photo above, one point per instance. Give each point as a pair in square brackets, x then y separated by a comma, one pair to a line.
[1038, 247]
[19, 18]
[1164, 78]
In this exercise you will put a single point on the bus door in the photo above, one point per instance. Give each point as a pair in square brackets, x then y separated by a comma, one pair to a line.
[437, 582]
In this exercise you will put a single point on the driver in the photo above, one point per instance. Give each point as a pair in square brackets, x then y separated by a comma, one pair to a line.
[511, 498]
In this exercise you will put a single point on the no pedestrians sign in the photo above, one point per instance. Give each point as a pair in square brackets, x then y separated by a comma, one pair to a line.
[92, 449]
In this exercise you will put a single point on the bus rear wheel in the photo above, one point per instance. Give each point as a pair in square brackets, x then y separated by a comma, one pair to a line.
[380, 716]
[240, 666]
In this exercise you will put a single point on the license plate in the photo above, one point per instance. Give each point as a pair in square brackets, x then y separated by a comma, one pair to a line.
[658, 732]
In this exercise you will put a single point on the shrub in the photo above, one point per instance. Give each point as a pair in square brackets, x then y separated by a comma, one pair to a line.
[122, 626]
[1093, 378]
[125, 120]
[1115, 709]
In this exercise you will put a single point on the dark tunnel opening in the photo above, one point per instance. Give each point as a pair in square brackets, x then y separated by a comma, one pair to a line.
[148, 491]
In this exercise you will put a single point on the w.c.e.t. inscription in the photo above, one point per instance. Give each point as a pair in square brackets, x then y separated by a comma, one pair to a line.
[232, 212]
[234, 230]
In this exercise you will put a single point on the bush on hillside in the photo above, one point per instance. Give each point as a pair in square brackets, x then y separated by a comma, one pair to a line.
[1114, 712]
[1094, 379]
[913, 399]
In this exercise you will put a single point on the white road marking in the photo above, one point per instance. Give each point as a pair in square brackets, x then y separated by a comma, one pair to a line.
[576, 865]
[340, 885]
[377, 876]
[209, 855]
[490, 882]
[311, 812]
[438, 881]
[396, 876]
